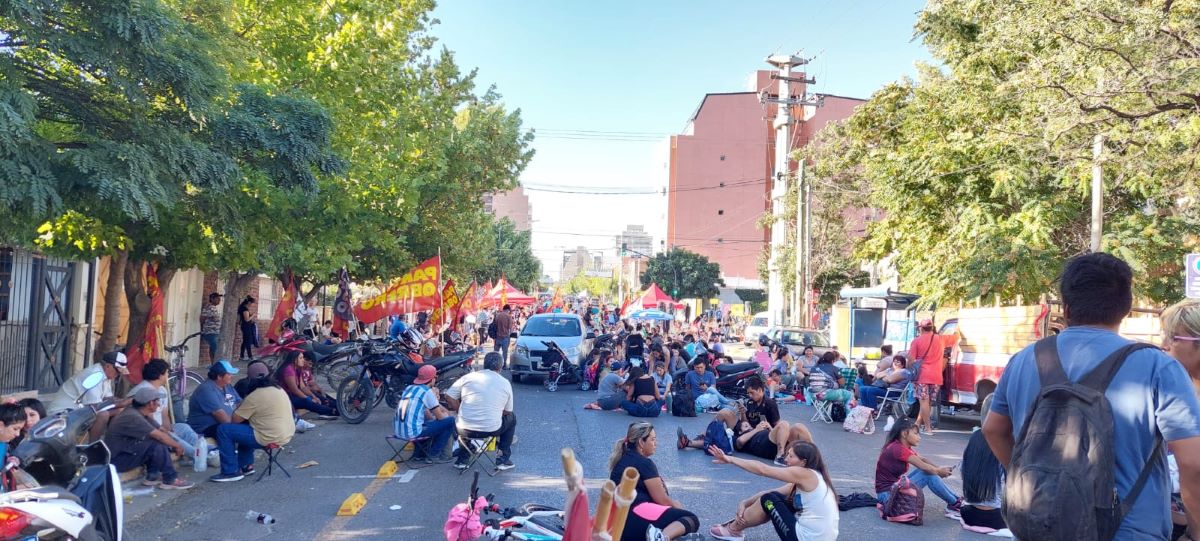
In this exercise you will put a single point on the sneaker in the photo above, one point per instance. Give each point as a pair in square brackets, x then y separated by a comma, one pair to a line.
[151, 481]
[504, 463]
[722, 531]
[779, 461]
[461, 463]
[681, 439]
[249, 469]
[179, 484]
[226, 477]
[891, 421]
[655, 534]
[304, 426]
[438, 459]
[214, 459]
[954, 510]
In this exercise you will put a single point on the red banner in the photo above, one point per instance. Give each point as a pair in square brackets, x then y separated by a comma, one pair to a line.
[415, 291]
[341, 307]
[468, 303]
[152, 337]
[557, 301]
[448, 307]
[283, 310]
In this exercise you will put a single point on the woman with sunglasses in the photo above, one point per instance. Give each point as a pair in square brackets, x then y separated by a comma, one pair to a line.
[1181, 339]
[653, 514]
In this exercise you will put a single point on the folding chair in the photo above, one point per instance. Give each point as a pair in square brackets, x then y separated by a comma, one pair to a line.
[272, 450]
[824, 408]
[400, 445]
[477, 448]
[889, 402]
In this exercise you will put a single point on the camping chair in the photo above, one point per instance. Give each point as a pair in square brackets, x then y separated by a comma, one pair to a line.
[476, 448]
[272, 450]
[400, 445]
[890, 401]
[824, 408]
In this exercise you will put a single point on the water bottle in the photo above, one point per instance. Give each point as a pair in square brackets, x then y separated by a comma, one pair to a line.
[200, 455]
[261, 518]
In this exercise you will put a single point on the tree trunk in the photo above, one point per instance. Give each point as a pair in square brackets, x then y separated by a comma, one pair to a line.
[235, 290]
[139, 302]
[110, 326]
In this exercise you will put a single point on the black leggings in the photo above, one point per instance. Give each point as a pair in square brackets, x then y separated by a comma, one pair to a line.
[987, 518]
[635, 526]
[779, 510]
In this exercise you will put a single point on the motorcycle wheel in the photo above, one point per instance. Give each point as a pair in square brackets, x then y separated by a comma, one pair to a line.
[355, 399]
[337, 372]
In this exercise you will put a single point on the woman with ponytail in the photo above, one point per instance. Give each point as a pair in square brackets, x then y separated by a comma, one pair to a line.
[805, 508]
[653, 514]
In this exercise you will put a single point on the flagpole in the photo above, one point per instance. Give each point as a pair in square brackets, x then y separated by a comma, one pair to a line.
[441, 299]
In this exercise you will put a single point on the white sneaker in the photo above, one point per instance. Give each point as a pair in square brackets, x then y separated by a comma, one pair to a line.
[214, 459]
[303, 426]
[891, 421]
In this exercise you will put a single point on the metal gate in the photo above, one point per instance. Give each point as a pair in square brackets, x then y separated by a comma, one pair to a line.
[35, 321]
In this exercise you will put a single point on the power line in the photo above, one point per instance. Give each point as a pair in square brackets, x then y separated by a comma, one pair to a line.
[562, 189]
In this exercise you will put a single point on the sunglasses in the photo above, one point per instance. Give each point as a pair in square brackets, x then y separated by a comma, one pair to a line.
[1187, 338]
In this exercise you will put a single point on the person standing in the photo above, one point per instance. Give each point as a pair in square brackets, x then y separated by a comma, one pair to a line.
[483, 319]
[504, 327]
[926, 355]
[210, 324]
[246, 313]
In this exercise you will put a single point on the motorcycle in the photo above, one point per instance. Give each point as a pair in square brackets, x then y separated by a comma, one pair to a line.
[79, 493]
[562, 370]
[730, 378]
[386, 370]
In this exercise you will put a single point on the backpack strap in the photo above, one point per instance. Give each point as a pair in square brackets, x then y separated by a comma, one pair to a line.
[1050, 370]
[1140, 483]
[1101, 376]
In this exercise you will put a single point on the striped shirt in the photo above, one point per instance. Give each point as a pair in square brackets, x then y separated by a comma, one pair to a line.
[410, 413]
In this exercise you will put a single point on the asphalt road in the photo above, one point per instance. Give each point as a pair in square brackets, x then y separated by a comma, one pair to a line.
[350, 455]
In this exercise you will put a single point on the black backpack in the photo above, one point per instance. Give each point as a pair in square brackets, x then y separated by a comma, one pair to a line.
[1060, 484]
[837, 412]
[492, 330]
[682, 404]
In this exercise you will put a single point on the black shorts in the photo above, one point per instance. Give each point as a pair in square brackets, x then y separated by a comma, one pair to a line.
[761, 446]
[987, 518]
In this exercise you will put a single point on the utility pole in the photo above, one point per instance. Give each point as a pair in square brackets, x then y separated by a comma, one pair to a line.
[1097, 184]
[783, 125]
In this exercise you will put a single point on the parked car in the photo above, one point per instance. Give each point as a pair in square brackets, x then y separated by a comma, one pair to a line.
[565, 329]
[797, 338]
[759, 324]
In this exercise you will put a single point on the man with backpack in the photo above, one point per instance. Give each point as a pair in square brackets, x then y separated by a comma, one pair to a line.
[1085, 413]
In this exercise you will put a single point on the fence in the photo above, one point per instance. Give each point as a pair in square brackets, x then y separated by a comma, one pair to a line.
[36, 325]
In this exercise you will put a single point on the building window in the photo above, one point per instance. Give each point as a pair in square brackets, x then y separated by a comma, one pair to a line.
[6, 272]
[722, 157]
[720, 212]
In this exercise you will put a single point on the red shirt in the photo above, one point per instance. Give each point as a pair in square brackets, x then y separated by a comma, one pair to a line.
[929, 347]
[893, 462]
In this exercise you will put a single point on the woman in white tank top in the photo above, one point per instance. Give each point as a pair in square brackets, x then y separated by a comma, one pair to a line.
[803, 509]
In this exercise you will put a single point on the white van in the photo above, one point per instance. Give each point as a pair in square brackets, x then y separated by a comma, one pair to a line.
[759, 324]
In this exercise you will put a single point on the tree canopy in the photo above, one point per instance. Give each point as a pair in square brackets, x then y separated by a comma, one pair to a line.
[683, 274]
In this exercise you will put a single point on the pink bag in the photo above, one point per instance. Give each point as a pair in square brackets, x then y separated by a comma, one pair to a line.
[462, 524]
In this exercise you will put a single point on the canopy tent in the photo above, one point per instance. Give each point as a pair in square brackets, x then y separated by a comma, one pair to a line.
[651, 315]
[655, 295]
[504, 293]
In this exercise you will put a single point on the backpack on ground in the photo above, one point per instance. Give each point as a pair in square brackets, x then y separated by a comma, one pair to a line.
[492, 330]
[1061, 483]
[837, 412]
[683, 405]
[860, 420]
[715, 434]
[905, 503]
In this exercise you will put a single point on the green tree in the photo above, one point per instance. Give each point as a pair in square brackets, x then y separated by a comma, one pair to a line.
[594, 285]
[683, 274]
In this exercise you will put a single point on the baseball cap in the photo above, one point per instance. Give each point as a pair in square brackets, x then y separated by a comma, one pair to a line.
[926, 322]
[425, 374]
[616, 365]
[118, 360]
[257, 370]
[221, 368]
[145, 395]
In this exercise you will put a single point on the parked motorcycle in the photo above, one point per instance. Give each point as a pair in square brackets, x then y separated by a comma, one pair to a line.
[386, 370]
[80, 493]
[731, 378]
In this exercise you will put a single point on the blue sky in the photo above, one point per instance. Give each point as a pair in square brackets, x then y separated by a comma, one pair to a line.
[579, 71]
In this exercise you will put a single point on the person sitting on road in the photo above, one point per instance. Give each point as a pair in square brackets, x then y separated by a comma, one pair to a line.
[898, 454]
[805, 507]
[136, 440]
[290, 377]
[12, 421]
[757, 428]
[256, 369]
[213, 402]
[263, 418]
[703, 385]
[34, 412]
[895, 377]
[825, 380]
[642, 398]
[420, 414]
[154, 376]
[71, 393]
[653, 513]
[610, 389]
[484, 401]
[776, 388]
[983, 485]
[663, 379]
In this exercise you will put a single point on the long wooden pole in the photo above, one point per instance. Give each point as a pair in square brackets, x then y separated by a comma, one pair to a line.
[624, 500]
[600, 526]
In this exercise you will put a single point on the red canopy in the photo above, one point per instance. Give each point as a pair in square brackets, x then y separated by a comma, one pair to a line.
[655, 295]
[504, 293]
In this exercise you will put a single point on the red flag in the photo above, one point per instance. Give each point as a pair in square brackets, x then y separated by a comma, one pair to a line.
[503, 291]
[284, 309]
[415, 291]
[557, 301]
[448, 309]
[342, 314]
[152, 337]
[467, 305]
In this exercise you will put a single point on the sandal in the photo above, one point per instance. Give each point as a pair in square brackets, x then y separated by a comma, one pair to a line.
[681, 439]
[591, 406]
[722, 531]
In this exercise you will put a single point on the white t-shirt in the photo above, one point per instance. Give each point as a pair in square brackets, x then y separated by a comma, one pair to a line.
[483, 398]
[164, 399]
[73, 389]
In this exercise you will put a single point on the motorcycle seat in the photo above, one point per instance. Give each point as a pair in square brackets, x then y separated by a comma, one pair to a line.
[47, 492]
[726, 369]
[451, 359]
[323, 350]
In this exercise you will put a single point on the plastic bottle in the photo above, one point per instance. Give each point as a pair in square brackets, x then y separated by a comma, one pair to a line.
[200, 455]
[261, 518]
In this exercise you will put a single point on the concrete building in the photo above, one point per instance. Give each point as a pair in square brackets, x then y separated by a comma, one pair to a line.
[592, 263]
[719, 169]
[636, 239]
[513, 204]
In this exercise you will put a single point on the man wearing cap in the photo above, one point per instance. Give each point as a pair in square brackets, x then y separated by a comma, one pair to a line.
[421, 415]
[926, 349]
[484, 401]
[609, 389]
[255, 370]
[210, 324]
[72, 392]
[213, 402]
[135, 440]
[154, 376]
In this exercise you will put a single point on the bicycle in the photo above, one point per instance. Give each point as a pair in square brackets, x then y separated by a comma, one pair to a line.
[178, 378]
